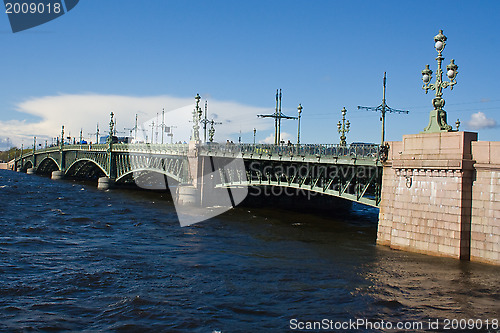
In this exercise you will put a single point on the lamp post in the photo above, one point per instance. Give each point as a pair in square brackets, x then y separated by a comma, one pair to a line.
[205, 122]
[343, 128]
[437, 118]
[111, 127]
[196, 119]
[211, 131]
[152, 131]
[62, 136]
[254, 133]
[162, 124]
[299, 109]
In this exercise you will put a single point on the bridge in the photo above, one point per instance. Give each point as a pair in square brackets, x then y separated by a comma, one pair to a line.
[438, 191]
[351, 172]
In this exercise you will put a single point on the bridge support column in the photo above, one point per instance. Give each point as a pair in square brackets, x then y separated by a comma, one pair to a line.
[105, 183]
[427, 194]
[57, 175]
[31, 171]
[188, 195]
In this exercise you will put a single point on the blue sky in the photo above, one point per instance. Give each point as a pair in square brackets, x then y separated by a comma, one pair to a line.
[141, 56]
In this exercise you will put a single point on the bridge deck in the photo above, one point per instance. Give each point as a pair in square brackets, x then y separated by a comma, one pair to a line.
[351, 172]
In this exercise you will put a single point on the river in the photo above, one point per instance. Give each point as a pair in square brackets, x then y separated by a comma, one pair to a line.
[73, 258]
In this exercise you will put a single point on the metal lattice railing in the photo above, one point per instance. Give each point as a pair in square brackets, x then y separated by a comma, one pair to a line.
[366, 151]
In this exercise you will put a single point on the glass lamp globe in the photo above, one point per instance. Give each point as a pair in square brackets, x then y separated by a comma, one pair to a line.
[426, 78]
[450, 73]
[439, 45]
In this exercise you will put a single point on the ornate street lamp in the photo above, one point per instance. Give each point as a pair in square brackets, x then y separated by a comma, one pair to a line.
[111, 127]
[437, 118]
[205, 122]
[343, 128]
[211, 131]
[198, 108]
[196, 119]
[299, 110]
[62, 136]
[254, 133]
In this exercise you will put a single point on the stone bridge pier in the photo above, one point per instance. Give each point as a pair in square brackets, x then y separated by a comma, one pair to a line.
[441, 196]
[205, 175]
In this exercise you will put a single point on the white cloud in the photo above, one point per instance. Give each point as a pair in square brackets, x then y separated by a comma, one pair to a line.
[5, 143]
[479, 120]
[283, 137]
[84, 111]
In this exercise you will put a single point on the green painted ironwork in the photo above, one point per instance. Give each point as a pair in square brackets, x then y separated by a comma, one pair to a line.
[343, 128]
[351, 172]
[437, 117]
[383, 109]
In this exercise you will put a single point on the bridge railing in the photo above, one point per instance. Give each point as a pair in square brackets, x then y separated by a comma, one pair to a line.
[367, 151]
[180, 149]
[177, 149]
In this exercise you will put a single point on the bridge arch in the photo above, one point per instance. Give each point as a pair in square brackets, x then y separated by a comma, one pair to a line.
[148, 177]
[27, 164]
[47, 165]
[86, 168]
[353, 196]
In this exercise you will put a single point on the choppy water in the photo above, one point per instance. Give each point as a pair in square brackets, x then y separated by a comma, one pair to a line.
[76, 259]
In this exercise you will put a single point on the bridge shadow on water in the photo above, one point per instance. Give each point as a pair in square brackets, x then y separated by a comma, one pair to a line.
[284, 210]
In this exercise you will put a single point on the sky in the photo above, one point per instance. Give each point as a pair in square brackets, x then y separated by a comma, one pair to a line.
[142, 57]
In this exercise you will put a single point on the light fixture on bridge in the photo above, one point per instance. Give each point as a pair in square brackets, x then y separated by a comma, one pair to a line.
[111, 127]
[437, 118]
[343, 128]
[196, 119]
[211, 131]
[299, 110]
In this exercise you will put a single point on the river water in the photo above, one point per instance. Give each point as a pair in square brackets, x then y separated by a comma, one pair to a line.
[73, 258]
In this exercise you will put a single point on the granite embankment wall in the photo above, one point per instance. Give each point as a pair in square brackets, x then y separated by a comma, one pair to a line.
[441, 196]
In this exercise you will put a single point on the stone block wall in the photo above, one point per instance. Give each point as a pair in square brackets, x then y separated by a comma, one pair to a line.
[426, 194]
[485, 220]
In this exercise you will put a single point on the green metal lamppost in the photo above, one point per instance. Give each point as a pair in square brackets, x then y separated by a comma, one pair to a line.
[204, 121]
[110, 169]
[211, 131]
[197, 113]
[62, 136]
[437, 118]
[34, 149]
[299, 109]
[343, 128]
[111, 127]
